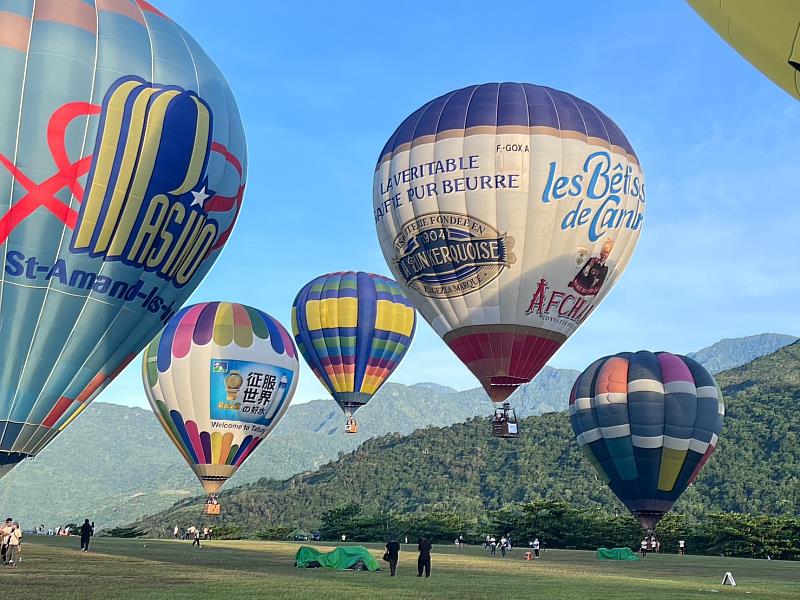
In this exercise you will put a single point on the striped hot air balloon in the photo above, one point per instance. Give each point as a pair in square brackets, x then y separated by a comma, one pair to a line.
[219, 378]
[353, 329]
[122, 171]
[648, 423]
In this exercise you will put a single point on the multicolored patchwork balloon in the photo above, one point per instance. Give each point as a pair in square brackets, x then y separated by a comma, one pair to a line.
[353, 329]
[122, 171]
[507, 212]
[219, 378]
[648, 423]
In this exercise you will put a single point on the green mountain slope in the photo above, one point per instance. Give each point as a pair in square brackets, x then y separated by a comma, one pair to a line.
[114, 463]
[460, 468]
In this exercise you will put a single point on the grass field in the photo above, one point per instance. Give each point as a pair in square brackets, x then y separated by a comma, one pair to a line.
[117, 568]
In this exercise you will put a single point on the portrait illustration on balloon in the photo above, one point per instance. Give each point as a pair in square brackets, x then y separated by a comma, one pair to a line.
[507, 212]
[123, 175]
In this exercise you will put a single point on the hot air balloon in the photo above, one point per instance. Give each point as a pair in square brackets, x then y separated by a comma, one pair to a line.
[353, 329]
[768, 36]
[219, 378]
[507, 211]
[648, 423]
[122, 170]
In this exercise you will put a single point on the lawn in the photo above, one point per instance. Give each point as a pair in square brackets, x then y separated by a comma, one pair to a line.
[118, 568]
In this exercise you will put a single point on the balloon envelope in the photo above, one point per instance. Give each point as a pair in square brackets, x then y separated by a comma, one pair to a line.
[353, 329]
[507, 212]
[219, 378]
[648, 423]
[767, 35]
[122, 170]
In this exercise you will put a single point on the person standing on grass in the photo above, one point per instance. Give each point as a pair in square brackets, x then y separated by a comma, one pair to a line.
[4, 533]
[13, 544]
[176, 533]
[682, 548]
[493, 545]
[393, 556]
[424, 560]
[503, 546]
[644, 548]
[536, 548]
[86, 535]
[196, 541]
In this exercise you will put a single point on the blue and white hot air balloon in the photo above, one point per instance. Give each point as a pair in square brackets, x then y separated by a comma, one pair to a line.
[122, 171]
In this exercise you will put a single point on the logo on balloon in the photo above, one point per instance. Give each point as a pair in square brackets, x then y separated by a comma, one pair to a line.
[443, 255]
[145, 194]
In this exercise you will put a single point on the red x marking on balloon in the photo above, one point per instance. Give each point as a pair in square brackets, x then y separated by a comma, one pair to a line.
[44, 194]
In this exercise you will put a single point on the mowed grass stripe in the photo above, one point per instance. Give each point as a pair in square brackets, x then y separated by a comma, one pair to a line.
[54, 568]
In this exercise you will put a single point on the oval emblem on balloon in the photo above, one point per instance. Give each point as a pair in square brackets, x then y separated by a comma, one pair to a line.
[441, 255]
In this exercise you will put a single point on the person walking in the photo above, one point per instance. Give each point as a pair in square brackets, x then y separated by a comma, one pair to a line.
[503, 546]
[493, 545]
[196, 541]
[536, 548]
[86, 535]
[13, 544]
[177, 532]
[392, 556]
[424, 560]
[644, 548]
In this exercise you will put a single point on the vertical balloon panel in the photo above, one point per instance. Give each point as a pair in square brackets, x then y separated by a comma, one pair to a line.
[123, 164]
[507, 212]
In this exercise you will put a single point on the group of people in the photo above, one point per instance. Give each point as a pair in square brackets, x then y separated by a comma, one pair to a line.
[424, 547]
[492, 544]
[194, 534]
[650, 544]
[12, 542]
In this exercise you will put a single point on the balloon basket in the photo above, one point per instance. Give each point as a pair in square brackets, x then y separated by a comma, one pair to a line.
[504, 422]
[212, 506]
[351, 426]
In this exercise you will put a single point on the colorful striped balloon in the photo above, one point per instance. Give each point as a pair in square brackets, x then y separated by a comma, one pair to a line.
[353, 329]
[122, 171]
[648, 423]
[219, 378]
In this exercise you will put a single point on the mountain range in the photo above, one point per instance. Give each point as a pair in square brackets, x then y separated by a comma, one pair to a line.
[114, 464]
[462, 470]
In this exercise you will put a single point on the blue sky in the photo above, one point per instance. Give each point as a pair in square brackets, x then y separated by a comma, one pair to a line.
[322, 85]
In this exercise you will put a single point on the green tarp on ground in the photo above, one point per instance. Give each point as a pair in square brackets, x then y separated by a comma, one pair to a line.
[342, 558]
[616, 554]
